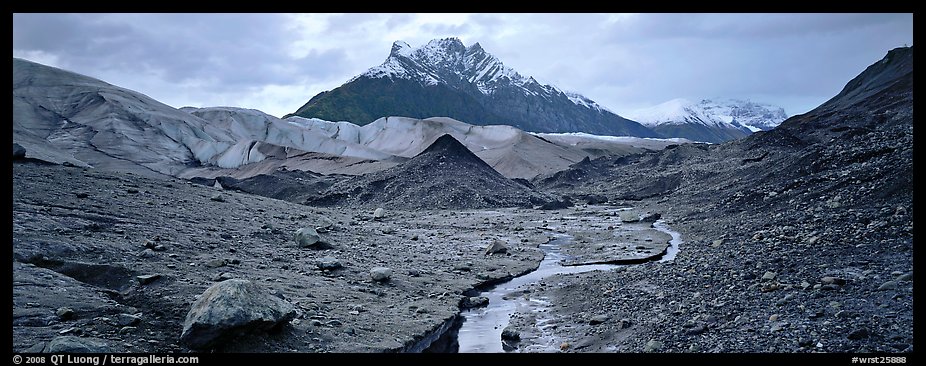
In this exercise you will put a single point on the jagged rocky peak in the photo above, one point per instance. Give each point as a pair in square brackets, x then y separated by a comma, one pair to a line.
[445, 78]
[400, 48]
[446, 61]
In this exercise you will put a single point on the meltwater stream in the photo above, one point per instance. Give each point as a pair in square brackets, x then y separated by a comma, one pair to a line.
[482, 328]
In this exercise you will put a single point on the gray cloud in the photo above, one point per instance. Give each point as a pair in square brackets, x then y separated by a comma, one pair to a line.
[623, 62]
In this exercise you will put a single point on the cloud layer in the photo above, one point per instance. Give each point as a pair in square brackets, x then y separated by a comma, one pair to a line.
[277, 62]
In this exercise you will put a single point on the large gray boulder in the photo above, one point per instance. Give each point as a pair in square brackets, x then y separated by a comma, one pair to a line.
[308, 237]
[72, 344]
[497, 246]
[232, 307]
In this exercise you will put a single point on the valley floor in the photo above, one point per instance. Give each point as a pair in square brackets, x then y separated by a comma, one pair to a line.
[741, 283]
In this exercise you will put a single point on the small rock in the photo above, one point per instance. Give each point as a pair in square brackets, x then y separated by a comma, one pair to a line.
[829, 280]
[697, 329]
[598, 319]
[773, 317]
[564, 346]
[388, 230]
[230, 307]
[858, 334]
[147, 253]
[217, 197]
[717, 243]
[65, 313]
[414, 237]
[82, 194]
[19, 152]
[146, 279]
[497, 246]
[565, 202]
[72, 344]
[36, 348]
[769, 275]
[905, 277]
[651, 217]
[629, 216]
[127, 330]
[652, 346]
[779, 326]
[307, 237]
[379, 214]
[510, 334]
[328, 263]
[889, 285]
[624, 324]
[216, 263]
[381, 274]
[224, 276]
[127, 319]
[474, 302]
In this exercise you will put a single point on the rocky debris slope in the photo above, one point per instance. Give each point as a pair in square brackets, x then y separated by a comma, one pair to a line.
[445, 175]
[798, 239]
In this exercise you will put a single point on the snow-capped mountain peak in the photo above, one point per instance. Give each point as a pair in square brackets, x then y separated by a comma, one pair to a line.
[446, 78]
[449, 61]
[721, 113]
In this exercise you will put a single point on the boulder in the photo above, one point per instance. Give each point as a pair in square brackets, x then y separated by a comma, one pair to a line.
[308, 237]
[629, 216]
[380, 274]
[72, 344]
[651, 217]
[328, 263]
[232, 307]
[497, 246]
[474, 302]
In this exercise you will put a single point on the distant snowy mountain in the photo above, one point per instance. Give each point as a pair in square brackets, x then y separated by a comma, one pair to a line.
[709, 120]
[444, 78]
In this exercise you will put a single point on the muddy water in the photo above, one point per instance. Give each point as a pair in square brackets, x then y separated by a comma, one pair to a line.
[482, 328]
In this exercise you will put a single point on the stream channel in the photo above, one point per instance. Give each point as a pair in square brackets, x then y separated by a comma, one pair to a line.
[479, 330]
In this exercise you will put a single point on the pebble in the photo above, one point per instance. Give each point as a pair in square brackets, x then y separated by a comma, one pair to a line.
[216, 263]
[65, 313]
[858, 334]
[697, 329]
[127, 319]
[652, 346]
[217, 197]
[889, 285]
[146, 279]
[381, 274]
[769, 275]
[598, 319]
[510, 334]
[328, 263]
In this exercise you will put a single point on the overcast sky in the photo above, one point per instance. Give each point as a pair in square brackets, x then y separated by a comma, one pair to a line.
[277, 62]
